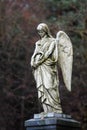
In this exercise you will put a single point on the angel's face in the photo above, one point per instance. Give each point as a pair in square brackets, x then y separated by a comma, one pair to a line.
[41, 32]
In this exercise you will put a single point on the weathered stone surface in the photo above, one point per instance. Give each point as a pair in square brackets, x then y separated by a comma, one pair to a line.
[48, 54]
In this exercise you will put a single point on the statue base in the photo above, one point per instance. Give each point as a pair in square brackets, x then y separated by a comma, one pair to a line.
[52, 121]
[50, 115]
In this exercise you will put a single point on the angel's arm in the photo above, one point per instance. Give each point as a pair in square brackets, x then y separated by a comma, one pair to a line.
[50, 50]
[47, 54]
[33, 56]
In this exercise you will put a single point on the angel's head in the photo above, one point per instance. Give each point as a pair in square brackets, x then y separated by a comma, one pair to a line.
[43, 30]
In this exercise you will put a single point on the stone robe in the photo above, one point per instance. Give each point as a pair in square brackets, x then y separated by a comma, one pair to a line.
[46, 74]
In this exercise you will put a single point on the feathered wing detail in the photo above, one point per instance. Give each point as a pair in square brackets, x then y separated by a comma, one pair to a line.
[65, 57]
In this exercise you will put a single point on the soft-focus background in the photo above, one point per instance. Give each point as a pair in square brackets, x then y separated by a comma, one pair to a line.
[18, 22]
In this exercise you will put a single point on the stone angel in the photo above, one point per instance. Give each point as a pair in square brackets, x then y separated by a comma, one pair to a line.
[48, 54]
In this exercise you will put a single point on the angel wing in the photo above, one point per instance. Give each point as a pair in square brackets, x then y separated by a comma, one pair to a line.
[65, 57]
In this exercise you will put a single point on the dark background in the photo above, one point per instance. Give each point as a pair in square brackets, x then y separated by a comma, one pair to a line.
[18, 22]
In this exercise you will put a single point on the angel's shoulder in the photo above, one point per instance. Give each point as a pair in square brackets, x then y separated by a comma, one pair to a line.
[52, 40]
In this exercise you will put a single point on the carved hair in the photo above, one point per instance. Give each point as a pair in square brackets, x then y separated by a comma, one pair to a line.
[44, 27]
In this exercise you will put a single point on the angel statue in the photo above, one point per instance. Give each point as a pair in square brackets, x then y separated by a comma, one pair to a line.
[49, 53]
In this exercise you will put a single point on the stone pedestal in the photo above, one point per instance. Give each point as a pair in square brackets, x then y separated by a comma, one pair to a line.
[52, 123]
